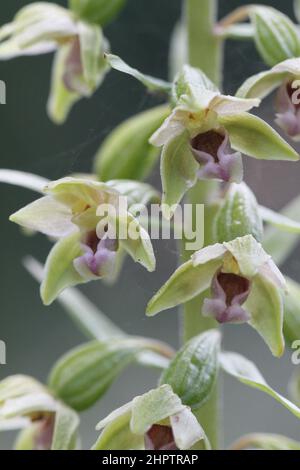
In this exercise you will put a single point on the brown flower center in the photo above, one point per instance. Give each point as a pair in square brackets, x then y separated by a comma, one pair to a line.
[209, 142]
[233, 285]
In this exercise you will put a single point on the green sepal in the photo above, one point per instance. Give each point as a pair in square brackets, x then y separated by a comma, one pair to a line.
[97, 11]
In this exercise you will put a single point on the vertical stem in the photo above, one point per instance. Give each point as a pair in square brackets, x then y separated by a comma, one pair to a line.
[205, 52]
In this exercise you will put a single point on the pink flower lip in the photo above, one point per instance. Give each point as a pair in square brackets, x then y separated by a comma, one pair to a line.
[229, 293]
[213, 153]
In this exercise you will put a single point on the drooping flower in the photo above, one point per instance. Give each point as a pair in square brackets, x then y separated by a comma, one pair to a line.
[92, 227]
[285, 78]
[27, 405]
[245, 286]
[207, 132]
[79, 66]
[156, 420]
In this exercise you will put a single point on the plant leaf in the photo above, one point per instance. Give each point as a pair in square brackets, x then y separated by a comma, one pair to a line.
[255, 138]
[246, 372]
[126, 153]
[25, 180]
[92, 322]
[153, 84]
[97, 11]
[193, 372]
[178, 171]
[280, 221]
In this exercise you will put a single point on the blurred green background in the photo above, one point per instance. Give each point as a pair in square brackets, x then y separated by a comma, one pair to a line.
[37, 336]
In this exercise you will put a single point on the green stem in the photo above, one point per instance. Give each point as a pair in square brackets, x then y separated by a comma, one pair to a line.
[205, 52]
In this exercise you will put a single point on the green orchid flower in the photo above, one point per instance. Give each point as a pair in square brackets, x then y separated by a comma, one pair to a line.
[245, 284]
[93, 227]
[285, 77]
[79, 66]
[156, 420]
[207, 132]
[28, 405]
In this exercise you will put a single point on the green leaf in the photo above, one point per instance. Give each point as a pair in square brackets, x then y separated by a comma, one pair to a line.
[25, 180]
[265, 442]
[292, 312]
[238, 216]
[246, 372]
[153, 84]
[266, 307]
[60, 99]
[255, 138]
[193, 372]
[97, 11]
[276, 36]
[82, 377]
[65, 429]
[126, 153]
[178, 171]
[59, 270]
[280, 245]
[187, 282]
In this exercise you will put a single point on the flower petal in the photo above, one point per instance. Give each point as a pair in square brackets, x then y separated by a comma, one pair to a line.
[265, 305]
[45, 215]
[252, 136]
[59, 269]
[186, 283]
[178, 171]
[248, 253]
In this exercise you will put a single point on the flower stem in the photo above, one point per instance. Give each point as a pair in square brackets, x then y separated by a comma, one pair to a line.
[205, 52]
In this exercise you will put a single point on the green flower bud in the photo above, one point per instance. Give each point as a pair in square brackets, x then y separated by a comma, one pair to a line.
[97, 11]
[238, 216]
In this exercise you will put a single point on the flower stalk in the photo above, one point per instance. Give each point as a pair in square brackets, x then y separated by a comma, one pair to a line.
[204, 52]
